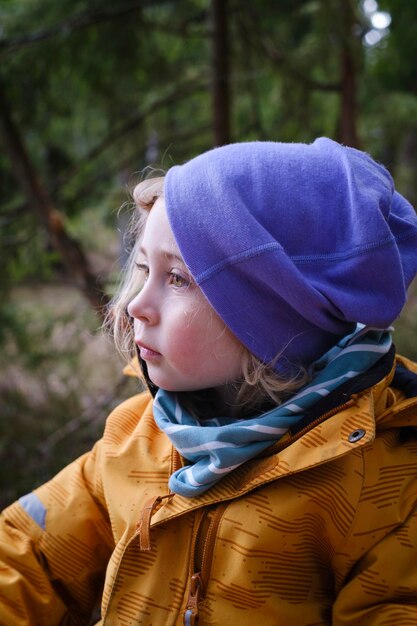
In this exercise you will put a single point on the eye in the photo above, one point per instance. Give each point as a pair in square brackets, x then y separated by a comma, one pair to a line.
[178, 281]
[143, 269]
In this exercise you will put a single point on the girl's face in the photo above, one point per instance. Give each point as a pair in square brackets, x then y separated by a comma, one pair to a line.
[185, 344]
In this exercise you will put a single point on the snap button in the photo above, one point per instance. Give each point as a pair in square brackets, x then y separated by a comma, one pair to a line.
[356, 435]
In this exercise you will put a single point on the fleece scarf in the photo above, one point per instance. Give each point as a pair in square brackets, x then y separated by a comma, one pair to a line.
[217, 446]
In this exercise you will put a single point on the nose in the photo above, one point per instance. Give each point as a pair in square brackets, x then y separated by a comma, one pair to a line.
[142, 308]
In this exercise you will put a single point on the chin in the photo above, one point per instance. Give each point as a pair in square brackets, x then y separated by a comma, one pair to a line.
[180, 387]
[178, 384]
[177, 388]
[167, 385]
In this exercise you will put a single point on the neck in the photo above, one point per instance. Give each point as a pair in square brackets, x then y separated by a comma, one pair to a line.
[207, 403]
[222, 401]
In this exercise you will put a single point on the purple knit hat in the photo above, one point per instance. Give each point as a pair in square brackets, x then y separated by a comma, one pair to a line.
[293, 244]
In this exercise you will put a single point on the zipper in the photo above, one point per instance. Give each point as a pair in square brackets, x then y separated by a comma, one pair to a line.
[202, 553]
[176, 461]
[191, 612]
[201, 560]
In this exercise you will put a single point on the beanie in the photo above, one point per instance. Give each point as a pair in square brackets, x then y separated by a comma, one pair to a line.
[293, 244]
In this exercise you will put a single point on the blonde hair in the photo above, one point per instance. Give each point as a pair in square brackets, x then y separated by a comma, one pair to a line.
[118, 321]
[260, 385]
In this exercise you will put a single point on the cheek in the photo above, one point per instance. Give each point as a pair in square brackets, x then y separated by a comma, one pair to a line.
[188, 344]
[205, 344]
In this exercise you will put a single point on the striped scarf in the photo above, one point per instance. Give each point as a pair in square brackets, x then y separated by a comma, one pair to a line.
[217, 446]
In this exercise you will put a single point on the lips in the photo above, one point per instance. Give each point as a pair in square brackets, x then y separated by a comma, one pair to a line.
[146, 352]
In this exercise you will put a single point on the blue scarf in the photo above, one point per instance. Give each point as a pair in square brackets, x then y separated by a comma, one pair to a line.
[217, 446]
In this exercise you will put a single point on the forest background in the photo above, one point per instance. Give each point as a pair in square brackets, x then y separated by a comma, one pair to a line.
[91, 92]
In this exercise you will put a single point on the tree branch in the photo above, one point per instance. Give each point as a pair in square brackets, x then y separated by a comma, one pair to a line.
[95, 411]
[180, 92]
[278, 57]
[68, 248]
[126, 164]
[76, 22]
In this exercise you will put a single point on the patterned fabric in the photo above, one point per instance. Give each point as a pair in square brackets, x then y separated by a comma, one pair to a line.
[219, 445]
[321, 532]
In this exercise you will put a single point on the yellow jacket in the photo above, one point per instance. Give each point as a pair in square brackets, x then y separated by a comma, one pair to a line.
[321, 530]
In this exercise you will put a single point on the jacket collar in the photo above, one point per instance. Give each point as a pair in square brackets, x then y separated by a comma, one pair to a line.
[341, 430]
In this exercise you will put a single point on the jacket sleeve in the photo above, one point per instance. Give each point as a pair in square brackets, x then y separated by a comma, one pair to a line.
[381, 589]
[54, 547]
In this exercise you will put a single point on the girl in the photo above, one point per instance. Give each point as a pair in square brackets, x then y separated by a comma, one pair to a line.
[270, 473]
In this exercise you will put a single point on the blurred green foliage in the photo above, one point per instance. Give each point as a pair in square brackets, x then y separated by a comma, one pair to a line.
[59, 381]
[98, 91]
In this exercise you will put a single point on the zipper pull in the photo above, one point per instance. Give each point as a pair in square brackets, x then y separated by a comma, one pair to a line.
[144, 524]
[191, 613]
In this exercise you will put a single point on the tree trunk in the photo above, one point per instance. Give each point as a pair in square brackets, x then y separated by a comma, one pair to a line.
[38, 199]
[348, 132]
[221, 78]
[406, 165]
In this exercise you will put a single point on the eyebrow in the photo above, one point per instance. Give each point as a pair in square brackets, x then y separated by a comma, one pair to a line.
[168, 255]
